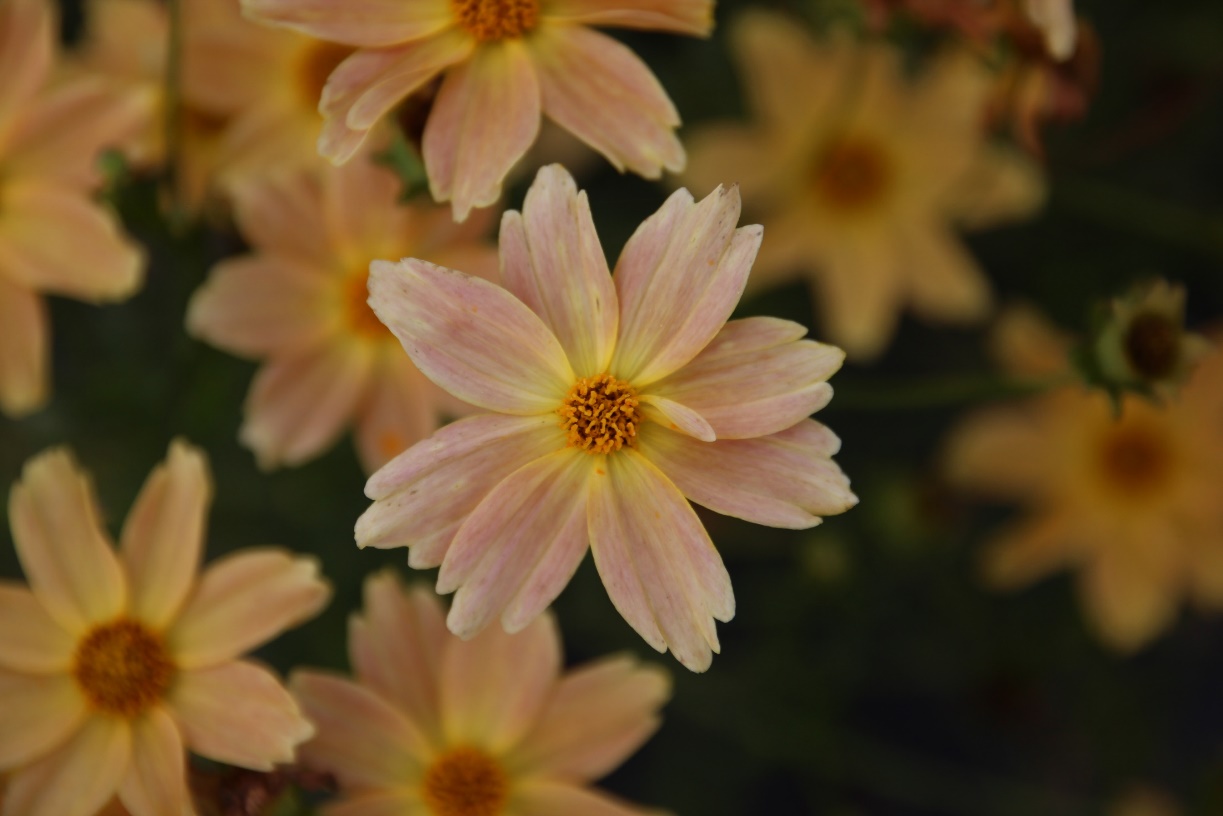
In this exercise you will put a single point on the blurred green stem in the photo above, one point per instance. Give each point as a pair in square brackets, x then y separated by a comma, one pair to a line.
[935, 393]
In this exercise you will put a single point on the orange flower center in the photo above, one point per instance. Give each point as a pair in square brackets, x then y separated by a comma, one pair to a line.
[1135, 460]
[314, 68]
[122, 667]
[361, 318]
[465, 782]
[1151, 346]
[492, 20]
[600, 414]
[852, 174]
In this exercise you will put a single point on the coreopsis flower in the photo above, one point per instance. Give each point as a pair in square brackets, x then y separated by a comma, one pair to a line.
[503, 63]
[491, 726]
[610, 401]
[50, 137]
[299, 303]
[862, 177]
[112, 663]
[1130, 502]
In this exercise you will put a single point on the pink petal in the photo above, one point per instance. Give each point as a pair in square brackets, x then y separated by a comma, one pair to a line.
[657, 561]
[401, 409]
[782, 480]
[603, 93]
[485, 117]
[282, 215]
[495, 685]
[547, 797]
[23, 350]
[27, 48]
[679, 278]
[360, 737]
[245, 599]
[77, 778]
[397, 803]
[30, 639]
[756, 378]
[155, 783]
[693, 17]
[597, 716]
[471, 337]
[552, 261]
[366, 23]
[40, 711]
[522, 544]
[425, 493]
[678, 417]
[66, 556]
[238, 713]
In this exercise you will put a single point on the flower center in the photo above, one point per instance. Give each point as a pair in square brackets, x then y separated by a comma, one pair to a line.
[361, 318]
[851, 174]
[491, 20]
[465, 782]
[317, 62]
[122, 668]
[1151, 346]
[1135, 460]
[600, 414]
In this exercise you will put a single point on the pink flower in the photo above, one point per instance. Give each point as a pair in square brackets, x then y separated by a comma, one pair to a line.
[471, 728]
[111, 666]
[611, 401]
[503, 63]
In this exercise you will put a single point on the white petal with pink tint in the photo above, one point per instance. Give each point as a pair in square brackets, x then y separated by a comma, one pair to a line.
[238, 713]
[155, 783]
[77, 778]
[679, 417]
[552, 261]
[471, 337]
[693, 17]
[39, 712]
[23, 349]
[245, 599]
[367, 23]
[30, 639]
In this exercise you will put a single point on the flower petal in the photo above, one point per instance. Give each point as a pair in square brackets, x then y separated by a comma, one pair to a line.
[400, 409]
[77, 778]
[282, 215]
[155, 783]
[23, 349]
[599, 90]
[679, 278]
[39, 713]
[1001, 185]
[676, 416]
[1131, 592]
[66, 556]
[1000, 452]
[366, 23]
[548, 797]
[944, 280]
[1030, 550]
[27, 48]
[397, 803]
[597, 716]
[466, 156]
[783, 480]
[471, 337]
[693, 17]
[521, 545]
[238, 713]
[756, 378]
[245, 599]
[860, 291]
[30, 639]
[552, 261]
[657, 561]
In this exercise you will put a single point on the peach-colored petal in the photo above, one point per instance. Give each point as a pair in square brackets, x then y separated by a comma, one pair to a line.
[425, 493]
[163, 536]
[360, 737]
[730, 153]
[283, 216]
[693, 17]
[520, 546]
[548, 797]
[859, 294]
[366, 23]
[495, 685]
[1000, 452]
[23, 349]
[155, 783]
[471, 337]
[77, 778]
[656, 560]
[30, 639]
[1129, 590]
[755, 378]
[27, 47]
[361, 209]
[243, 600]
[679, 278]
[398, 411]
[596, 717]
[677, 416]
[238, 713]
[39, 712]
[66, 556]
[782, 480]
[1030, 550]
[299, 405]
[467, 159]
[552, 261]
[944, 280]
[599, 90]
[1001, 185]
[397, 803]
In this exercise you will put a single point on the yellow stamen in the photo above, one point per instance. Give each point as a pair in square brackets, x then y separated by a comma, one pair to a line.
[492, 20]
[465, 782]
[315, 66]
[851, 175]
[122, 667]
[601, 414]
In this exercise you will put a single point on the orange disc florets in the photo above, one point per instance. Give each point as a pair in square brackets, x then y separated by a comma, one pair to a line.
[465, 782]
[491, 20]
[852, 174]
[122, 668]
[1135, 460]
[601, 414]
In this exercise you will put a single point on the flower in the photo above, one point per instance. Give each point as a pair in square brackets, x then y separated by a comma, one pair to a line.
[49, 139]
[436, 725]
[1131, 502]
[861, 175]
[299, 303]
[502, 63]
[110, 666]
[1055, 19]
[610, 402]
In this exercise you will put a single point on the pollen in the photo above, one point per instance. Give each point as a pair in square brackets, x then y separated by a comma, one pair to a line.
[601, 414]
[1152, 345]
[465, 782]
[123, 668]
[360, 317]
[851, 175]
[493, 20]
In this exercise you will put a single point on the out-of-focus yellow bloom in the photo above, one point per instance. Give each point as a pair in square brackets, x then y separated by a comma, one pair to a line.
[1142, 800]
[861, 177]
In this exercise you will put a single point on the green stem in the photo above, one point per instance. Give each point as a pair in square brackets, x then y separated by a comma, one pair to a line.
[939, 393]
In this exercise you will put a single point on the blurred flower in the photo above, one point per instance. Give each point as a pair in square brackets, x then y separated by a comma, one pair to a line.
[607, 399]
[861, 177]
[472, 728]
[1142, 800]
[1055, 19]
[53, 238]
[504, 63]
[1131, 502]
[299, 302]
[111, 666]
